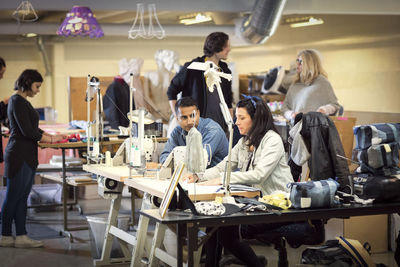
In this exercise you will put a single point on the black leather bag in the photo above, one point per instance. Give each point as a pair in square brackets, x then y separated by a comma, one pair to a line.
[381, 188]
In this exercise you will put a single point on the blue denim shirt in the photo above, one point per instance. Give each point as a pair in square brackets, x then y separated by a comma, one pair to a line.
[212, 134]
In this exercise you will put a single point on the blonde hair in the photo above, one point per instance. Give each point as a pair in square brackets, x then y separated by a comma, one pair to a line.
[311, 66]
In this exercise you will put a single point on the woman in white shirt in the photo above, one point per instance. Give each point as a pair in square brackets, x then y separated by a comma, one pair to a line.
[260, 159]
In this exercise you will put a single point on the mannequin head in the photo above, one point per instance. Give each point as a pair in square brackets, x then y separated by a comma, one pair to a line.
[167, 59]
[126, 67]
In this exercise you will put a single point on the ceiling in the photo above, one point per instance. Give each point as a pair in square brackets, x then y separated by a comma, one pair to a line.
[117, 16]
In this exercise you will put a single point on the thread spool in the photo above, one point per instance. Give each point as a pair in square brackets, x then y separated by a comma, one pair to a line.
[108, 158]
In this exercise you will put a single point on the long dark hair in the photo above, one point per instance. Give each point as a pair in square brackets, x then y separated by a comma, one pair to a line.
[2, 63]
[261, 117]
[26, 79]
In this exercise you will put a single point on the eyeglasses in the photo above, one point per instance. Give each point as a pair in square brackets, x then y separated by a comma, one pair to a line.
[299, 61]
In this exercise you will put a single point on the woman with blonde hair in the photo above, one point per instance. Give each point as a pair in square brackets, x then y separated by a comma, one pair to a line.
[311, 90]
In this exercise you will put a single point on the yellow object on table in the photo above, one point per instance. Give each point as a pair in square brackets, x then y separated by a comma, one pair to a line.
[277, 199]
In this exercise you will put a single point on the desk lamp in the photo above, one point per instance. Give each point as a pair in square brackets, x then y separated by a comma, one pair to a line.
[93, 88]
[213, 78]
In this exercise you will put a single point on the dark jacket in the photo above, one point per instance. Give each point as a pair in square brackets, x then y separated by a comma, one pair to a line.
[116, 103]
[3, 117]
[24, 136]
[323, 142]
[192, 83]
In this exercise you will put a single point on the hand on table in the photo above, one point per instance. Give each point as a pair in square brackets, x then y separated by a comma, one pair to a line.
[57, 138]
[215, 181]
[191, 178]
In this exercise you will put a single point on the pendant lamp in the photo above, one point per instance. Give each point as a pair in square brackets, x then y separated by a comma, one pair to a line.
[80, 21]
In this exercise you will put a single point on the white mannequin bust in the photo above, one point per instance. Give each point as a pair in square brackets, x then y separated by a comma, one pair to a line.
[156, 82]
[126, 67]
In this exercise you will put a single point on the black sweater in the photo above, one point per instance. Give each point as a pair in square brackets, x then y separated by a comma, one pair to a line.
[192, 83]
[24, 135]
[116, 103]
[3, 117]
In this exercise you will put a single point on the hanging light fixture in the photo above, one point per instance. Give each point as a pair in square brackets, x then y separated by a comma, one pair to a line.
[138, 28]
[303, 21]
[25, 12]
[80, 21]
[194, 18]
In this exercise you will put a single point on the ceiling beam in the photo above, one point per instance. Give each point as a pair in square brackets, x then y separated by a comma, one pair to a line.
[162, 5]
[112, 29]
[375, 7]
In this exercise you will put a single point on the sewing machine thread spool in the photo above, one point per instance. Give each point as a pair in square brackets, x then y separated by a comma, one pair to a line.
[136, 156]
[108, 158]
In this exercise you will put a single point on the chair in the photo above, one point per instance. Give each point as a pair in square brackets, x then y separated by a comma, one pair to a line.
[295, 234]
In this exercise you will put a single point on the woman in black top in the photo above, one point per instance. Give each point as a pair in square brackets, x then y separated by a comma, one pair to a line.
[21, 158]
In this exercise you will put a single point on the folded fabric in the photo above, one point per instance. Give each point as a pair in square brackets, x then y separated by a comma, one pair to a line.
[375, 134]
[209, 208]
[212, 208]
[242, 187]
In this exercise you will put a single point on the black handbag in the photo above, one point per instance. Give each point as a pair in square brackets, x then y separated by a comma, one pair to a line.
[381, 188]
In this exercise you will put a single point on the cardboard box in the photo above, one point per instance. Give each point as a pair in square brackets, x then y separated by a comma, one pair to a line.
[88, 192]
[344, 126]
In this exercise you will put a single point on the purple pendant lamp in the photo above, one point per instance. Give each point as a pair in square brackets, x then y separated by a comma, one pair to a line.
[80, 21]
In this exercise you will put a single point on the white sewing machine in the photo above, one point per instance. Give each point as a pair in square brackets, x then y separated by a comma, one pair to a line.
[176, 156]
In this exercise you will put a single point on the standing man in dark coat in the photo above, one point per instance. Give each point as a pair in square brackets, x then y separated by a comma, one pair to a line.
[192, 82]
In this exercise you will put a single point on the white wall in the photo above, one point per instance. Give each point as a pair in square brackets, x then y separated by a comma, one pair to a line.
[361, 55]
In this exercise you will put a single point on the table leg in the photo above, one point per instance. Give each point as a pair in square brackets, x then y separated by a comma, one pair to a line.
[108, 236]
[132, 191]
[180, 231]
[141, 234]
[66, 231]
[191, 243]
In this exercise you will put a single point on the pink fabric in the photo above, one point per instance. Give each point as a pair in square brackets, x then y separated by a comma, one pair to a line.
[44, 154]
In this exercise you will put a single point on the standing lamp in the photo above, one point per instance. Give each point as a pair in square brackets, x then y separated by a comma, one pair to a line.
[93, 90]
[213, 78]
[80, 21]
[141, 117]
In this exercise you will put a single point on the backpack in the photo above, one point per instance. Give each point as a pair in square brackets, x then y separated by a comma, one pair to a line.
[341, 251]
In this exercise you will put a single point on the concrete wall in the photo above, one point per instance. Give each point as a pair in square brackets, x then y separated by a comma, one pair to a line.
[360, 53]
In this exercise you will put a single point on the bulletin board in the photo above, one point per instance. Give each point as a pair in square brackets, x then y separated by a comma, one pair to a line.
[77, 95]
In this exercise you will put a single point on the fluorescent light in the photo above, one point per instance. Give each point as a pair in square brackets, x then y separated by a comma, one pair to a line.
[193, 19]
[311, 21]
[30, 34]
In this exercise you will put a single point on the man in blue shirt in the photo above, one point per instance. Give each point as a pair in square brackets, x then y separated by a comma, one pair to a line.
[188, 115]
